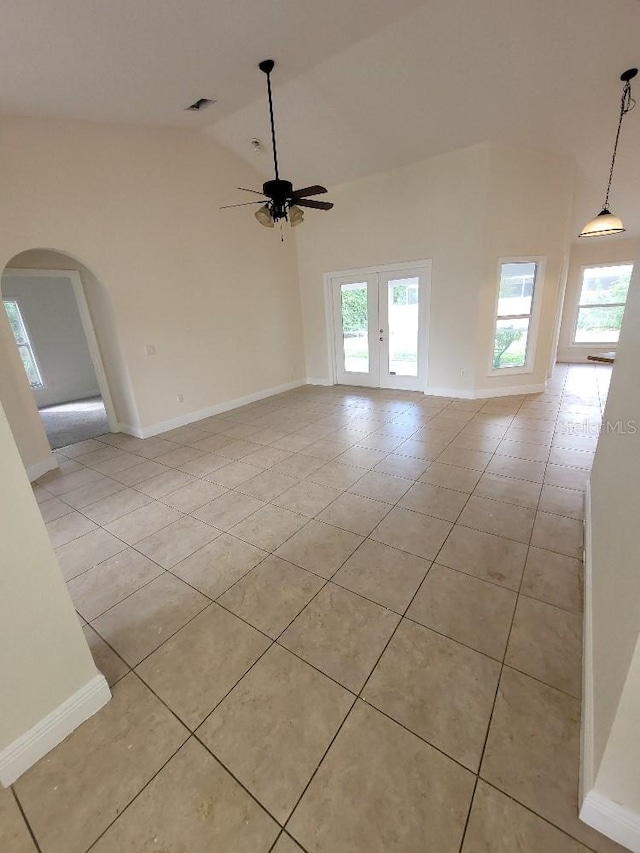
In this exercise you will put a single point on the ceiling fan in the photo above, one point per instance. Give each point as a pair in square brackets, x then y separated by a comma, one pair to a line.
[281, 201]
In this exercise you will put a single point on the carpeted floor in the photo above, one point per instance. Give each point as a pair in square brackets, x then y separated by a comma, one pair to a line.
[67, 423]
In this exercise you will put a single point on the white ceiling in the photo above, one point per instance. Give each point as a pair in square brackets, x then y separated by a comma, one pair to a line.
[360, 86]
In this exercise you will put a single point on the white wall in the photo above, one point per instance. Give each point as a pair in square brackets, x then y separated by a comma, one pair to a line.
[50, 313]
[614, 702]
[214, 292]
[463, 210]
[44, 658]
[588, 252]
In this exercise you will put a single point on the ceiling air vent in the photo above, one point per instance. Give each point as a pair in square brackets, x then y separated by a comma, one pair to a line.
[200, 104]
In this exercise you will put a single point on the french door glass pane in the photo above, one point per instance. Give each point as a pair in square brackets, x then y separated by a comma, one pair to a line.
[402, 295]
[517, 281]
[599, 325]
[510, 345]
[604, 285]
[355, 327]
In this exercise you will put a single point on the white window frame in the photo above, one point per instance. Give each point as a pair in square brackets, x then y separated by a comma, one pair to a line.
[577, 306]
[534, 316]
[28, 344]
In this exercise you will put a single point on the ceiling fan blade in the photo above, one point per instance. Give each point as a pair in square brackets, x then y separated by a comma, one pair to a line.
[316, 189]
[320, 205]
[245, 190]
[244, 203]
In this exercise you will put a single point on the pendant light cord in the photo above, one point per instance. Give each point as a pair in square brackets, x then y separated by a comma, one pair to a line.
[273, 127]
[627, 103]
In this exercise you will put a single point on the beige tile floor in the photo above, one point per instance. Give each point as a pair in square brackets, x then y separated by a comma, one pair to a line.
[337, 620]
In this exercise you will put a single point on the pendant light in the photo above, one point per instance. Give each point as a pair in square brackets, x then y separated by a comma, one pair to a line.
[605, 223]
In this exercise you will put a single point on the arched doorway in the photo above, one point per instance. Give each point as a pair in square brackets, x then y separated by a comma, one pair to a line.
[52, 303]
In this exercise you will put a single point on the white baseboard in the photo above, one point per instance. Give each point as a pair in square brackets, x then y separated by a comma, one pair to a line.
[31, 746]
[219, 408]
[587, 768]
[612, 820]
[484, 393]
[40, 468]
[313, 381]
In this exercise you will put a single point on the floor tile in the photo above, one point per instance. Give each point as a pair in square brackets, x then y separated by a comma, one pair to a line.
[477, 460]
[365, 800]
[467, 609]
[362, 457]
[484, 555]
[532, 753]
[271, 595]
[499, 824]
[93, 774]
[139, 473]
[106, 660]
[557, 533]
[85, 495]
[193, 495]
[177, 541]
[111, 581]
[164, 484]
[355, 513]
[385, 575]
[381, 487]
[562, 502]
[217, 566]
[285, 844]
[520, 469]
[204, 465]
[115, 506]
[439, 689]
[572, 458]
[178, 457]
[267, 486]
[336, 475]
[553, 578]
[497, 517]
[307, 498]
[234, 474]
[53, 508]
[275, 753]
[566, 478]
[59, 484]
[434, 500]
[499, 488]
[14, 834]
[320, 548]
[341, 634]
[546, 642]
[451, 476]
[402, 466]
[68, 527]
[218, 649]
[411, 531]
[523, 450]
[193, 804]
[87, 551]
[298, 466]
[142, 522]
[148, 617]
[269, 527]
[227, 510]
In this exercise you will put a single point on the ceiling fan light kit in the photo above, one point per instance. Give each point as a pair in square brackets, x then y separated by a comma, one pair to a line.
[281, 201]
[605, 223]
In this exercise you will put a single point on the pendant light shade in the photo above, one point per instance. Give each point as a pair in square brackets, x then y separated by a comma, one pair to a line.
[263, 215]
[296, 215]
[605, 223]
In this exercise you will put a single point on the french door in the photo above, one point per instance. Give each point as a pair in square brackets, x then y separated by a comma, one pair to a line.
[380, 326]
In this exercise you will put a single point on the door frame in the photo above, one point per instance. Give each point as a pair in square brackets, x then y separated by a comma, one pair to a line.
[87, 326]
[423, 265]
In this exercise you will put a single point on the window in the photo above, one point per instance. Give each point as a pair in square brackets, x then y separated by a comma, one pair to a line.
[24, 344]
[512, 339]
[603, 295]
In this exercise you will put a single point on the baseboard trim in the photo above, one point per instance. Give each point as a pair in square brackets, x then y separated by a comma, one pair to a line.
[587, 768]
[34, 472]
[612, 820]
[219, 408]
[484, 393]
[310, 380]
[19, 756]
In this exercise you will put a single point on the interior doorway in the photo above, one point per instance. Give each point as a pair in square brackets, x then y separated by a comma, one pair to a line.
[379, 325]
[52, 328]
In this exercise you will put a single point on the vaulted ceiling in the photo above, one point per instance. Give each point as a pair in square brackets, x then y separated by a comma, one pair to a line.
[360, 86]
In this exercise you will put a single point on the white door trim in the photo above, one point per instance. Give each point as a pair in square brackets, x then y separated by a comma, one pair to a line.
[330, 316]
[87, 326]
